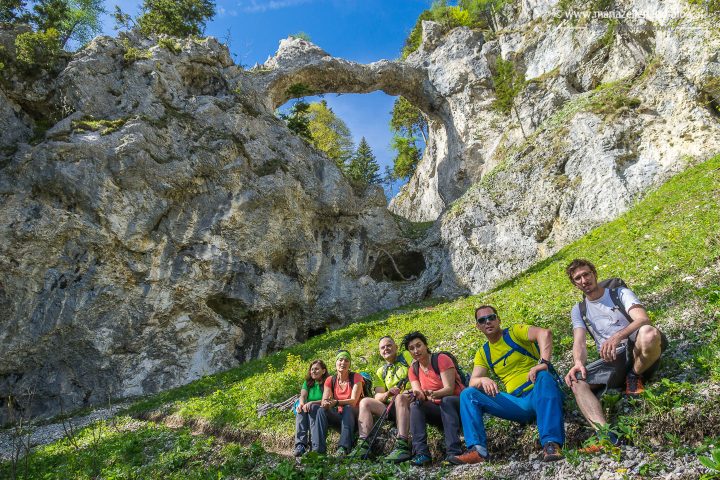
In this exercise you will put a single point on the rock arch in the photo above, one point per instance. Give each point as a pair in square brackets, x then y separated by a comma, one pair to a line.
[301, 62]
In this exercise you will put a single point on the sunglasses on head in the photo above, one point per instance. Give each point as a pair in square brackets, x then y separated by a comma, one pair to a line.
[486, 318]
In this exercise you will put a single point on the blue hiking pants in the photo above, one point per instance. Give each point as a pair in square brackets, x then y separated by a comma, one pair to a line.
[544, 402]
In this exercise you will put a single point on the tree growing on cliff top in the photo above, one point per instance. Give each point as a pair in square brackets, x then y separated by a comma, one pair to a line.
[178, 18]
[74, 22]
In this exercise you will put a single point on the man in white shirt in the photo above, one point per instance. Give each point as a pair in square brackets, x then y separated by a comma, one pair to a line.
[628, 345]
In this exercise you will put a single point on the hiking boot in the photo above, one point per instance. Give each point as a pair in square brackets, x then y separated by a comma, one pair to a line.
[470, 457]
[421, 460]
[551, 452]
[341, 452]
[361, 450]
[634, 384]
[299, 450]
[401, 453]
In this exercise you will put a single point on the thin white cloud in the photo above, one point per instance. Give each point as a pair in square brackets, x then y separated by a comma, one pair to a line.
[260, 6]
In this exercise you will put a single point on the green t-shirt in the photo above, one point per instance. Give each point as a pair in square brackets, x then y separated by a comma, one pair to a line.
[514, 369]
[315, 393]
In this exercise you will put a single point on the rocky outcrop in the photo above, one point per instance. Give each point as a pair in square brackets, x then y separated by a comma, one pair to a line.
[169, 226]
[610, 108]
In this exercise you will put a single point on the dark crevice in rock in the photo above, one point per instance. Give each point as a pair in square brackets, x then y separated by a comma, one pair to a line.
[231, 309]
[398, 267]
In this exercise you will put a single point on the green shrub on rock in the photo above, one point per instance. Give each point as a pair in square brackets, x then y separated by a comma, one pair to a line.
[38, 49]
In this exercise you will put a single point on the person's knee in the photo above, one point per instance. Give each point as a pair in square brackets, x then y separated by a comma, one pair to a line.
[449, 402]
[402, 401]
[648, 337]
[580, 387]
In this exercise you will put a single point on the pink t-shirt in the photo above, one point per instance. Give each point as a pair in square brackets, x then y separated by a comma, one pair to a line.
[430, 380]
[344, 392]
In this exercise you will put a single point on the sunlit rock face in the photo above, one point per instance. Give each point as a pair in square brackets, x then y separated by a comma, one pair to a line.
[159, 223]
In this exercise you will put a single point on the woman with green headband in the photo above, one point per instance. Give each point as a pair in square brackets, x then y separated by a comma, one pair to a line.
[341, 397]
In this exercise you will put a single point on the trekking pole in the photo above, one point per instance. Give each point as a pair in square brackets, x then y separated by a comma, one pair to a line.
[378, 425]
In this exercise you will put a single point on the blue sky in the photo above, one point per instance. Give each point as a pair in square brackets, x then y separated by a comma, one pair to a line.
[360, 30]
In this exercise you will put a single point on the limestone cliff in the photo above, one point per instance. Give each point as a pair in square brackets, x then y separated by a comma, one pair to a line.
[167, 225]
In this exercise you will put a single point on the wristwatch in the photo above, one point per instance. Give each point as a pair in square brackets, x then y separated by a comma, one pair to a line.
[543, 361]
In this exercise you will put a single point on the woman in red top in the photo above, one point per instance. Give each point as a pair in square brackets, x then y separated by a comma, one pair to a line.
[340, 402]
[436, 399]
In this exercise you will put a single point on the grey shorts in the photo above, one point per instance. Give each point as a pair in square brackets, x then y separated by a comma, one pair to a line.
[612, 374]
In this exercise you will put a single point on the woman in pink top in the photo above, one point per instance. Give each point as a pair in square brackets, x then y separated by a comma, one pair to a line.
[436, 399]
[340, 402]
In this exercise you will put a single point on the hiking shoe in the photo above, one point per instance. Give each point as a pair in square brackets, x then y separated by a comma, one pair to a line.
[470, 457]
[299, 450]
[401, 453]
[421, 460]
[551, 452]
[361, 450]
[341, 452]
[634, 384]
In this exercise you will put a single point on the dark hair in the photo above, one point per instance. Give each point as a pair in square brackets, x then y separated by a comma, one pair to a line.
[577, 263]
[485, 306]
[412, 336]
[311, 381]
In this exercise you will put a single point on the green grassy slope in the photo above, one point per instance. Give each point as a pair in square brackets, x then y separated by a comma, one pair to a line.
[667, 248]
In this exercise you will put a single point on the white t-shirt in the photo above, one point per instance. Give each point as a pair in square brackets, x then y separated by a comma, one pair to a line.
[604, 318]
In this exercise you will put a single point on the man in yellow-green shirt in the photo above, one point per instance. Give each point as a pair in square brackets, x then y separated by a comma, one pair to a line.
[520, 357]
[389, 381]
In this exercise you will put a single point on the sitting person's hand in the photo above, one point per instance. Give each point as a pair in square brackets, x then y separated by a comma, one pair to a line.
[489, 386]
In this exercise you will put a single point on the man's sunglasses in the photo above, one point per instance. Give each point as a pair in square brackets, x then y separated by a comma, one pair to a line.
[486, 318]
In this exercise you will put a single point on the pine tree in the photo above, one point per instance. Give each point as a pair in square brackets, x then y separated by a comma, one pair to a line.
[363, 170]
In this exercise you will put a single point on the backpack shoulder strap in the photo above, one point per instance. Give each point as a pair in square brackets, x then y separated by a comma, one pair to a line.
[434, 362]
[416, 369]
[332, 383]
[402, 360]
[486, 350]
[615, 297]
[385, 369]
[351, 379]
[582, 305]
[514, 345]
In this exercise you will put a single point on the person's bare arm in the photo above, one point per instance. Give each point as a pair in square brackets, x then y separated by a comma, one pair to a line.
[639, 318]
[480, 380]
[543, 337]
[579, 356]
[448, 380]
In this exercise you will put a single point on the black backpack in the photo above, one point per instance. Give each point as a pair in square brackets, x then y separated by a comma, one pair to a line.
[464, 377]
[613, 285]
[367, 383]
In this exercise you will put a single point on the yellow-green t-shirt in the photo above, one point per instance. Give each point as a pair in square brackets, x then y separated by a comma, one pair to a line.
[513, 370]
[396, 373]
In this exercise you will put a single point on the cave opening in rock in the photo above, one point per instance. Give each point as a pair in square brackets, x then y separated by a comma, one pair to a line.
[398, 267]
[365, 116]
